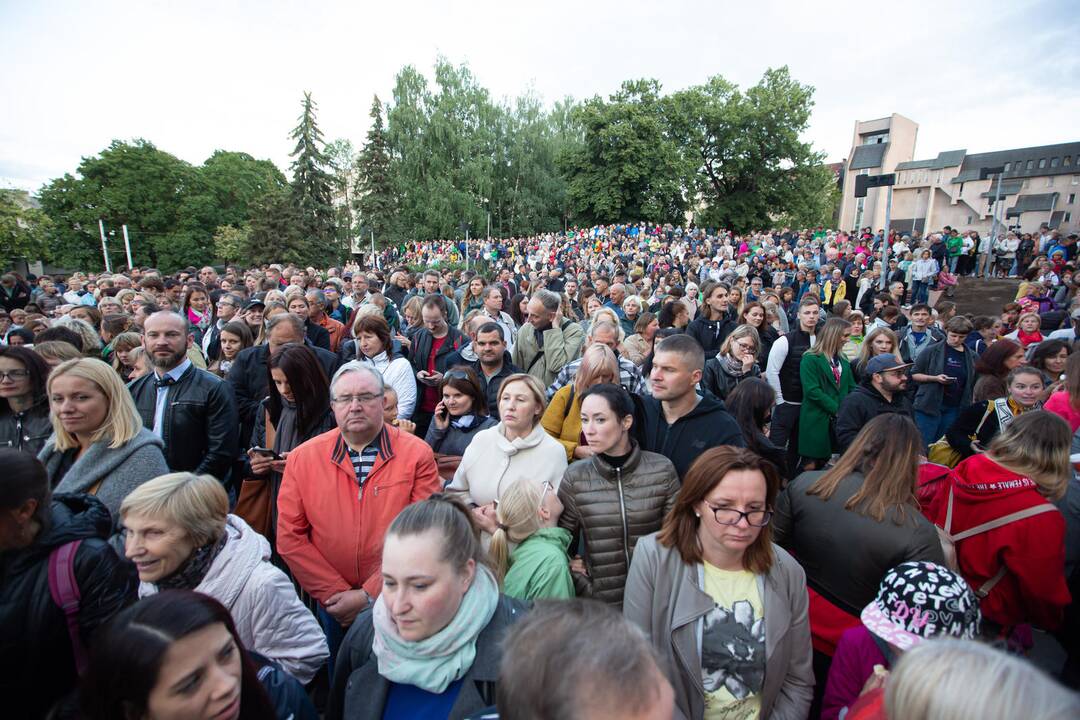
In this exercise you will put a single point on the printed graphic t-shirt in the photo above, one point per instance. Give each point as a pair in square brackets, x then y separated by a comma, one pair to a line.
[733, 645]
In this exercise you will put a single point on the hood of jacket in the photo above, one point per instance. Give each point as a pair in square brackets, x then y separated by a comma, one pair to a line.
[871, 394]
[230, 571]
[556, 536]
[99, 460]
[984, 490]
[74, 517]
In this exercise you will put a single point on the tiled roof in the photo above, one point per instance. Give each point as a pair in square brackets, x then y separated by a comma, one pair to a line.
[1018, 159]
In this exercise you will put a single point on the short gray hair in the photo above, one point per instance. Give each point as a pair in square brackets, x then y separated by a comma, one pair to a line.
[317, 295]
[548, 299]
[355, 366]
[287, 318]
[599, 325]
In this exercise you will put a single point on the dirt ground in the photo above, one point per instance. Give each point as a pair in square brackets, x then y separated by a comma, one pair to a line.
[984, 297]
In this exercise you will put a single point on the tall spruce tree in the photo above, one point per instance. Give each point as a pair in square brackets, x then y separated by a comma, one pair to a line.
[312, 190]
[376, 197]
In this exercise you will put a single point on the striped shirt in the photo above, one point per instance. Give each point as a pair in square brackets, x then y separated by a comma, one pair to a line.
[629, 377]
[362, 463]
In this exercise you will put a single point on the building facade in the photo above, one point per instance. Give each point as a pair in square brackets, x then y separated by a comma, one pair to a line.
[1039, 184]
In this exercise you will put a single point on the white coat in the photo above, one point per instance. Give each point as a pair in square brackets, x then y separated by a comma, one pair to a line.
[492, 463]
[268, 614]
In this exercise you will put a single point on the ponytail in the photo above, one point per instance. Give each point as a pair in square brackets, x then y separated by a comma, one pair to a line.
[518, 517]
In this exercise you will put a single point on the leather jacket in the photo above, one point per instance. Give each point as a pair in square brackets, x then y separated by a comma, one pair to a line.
[28, 430]
[200, 426]
[614, 507]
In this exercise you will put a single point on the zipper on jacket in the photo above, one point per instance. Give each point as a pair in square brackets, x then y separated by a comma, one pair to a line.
[622, 511]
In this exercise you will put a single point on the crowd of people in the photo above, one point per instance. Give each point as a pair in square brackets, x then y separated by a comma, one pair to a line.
[634, 471]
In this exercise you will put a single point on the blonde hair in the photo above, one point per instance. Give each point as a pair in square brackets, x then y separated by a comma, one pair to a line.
[366, 310]
[951, 679]
[608, 314]
[867, 346]
[1036, 445]
[122, 421]
[57, 350]
[91, 341]
[596, 359]
[830, 339]
[740, 332]
[197, 503]
[518, 515]
[535, 388]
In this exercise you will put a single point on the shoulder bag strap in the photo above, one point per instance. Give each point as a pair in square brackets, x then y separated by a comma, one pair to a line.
[1002, 521]
[271, 433]
[989, 410]
[65, 593]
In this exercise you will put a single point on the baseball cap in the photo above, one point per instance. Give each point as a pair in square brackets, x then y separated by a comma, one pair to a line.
[884, 363]
[920, 600]
[254, 302]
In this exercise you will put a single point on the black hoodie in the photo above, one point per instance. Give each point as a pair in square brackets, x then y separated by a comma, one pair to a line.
[37, 665]
[862, 405]
[708, 425]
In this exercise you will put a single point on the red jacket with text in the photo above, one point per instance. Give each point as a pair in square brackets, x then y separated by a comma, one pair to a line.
[1033, 549]
[329, 531]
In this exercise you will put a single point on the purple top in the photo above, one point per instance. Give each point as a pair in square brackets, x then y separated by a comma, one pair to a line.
[854, 661]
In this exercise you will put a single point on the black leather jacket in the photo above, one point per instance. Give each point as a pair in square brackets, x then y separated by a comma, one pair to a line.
[200, 427]
[37, 663]
[28, 430]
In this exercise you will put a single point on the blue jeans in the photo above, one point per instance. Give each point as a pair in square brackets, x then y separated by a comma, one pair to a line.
[952, 263]
[334, 635]
[932, 427]
[920, 291]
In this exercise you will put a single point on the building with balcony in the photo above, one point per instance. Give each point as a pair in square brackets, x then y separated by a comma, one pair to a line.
[1039, 184]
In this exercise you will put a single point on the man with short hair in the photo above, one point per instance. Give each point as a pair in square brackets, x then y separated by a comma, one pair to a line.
[193, 411]
[580, 659]
[493, 363]
[603, 333]
[301, 308]
[616, 295]
[339, 494]
[432, 345]
[882, 391]
[548, 341]
[919, 334]
[432, 283]
[317, 315]
[678, 423]
[493, 312]
[208, 276]
[783, 374]
[249, 374]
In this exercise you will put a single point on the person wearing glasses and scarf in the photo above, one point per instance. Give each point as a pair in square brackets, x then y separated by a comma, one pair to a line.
[724, 607]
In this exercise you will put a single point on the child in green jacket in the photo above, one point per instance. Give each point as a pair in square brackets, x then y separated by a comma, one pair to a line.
[538, 567]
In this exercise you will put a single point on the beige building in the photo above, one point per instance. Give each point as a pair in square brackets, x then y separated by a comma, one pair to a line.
[1039, 185]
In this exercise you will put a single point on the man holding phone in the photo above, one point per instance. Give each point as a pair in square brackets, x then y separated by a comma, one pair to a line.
[945, 373]
[432, 345]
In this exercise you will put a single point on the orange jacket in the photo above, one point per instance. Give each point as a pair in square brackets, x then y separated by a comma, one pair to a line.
[331, 538]
[336, 330]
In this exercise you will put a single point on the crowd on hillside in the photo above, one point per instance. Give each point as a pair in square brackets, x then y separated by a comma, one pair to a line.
[633, 471]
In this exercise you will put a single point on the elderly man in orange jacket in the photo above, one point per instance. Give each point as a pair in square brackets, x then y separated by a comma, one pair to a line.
[339, 493]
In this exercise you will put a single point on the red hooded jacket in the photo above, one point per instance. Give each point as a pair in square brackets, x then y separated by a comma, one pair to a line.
[1033, 549]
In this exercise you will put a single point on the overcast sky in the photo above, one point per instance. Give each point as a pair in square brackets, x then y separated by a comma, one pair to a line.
[193, 77]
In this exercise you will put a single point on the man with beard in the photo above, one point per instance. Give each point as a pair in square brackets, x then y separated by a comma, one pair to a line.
[191, 410]
[882, 391]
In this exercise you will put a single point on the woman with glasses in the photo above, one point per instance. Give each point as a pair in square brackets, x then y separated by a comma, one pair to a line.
[461, 413]
[724, 607]
[736, 361]
[24, 404]
[852, 523]
[528, 549]
[619, 494]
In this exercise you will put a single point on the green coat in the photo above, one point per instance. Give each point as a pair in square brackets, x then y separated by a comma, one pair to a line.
[540, 567]
[821, 400]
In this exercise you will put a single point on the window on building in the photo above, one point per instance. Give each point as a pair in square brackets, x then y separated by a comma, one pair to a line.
[1030, 164]
[1008, 166]
[1050, 181]
[1068, 217]
[1042, 163]
[1072, 199]
[969, 219]
[1053, 162]
[1076, 180]
[1067, 161]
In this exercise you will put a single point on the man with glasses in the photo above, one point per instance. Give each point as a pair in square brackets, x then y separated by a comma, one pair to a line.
[227, 307]
[882, 391]
[339, 494]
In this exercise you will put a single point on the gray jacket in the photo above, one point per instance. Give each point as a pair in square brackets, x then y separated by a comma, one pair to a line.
[452, 440]
[664, 598]
[929, 395]
[121, 469]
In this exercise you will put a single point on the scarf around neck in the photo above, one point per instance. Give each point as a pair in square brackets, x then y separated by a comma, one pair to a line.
[192, 571]
[433, 663]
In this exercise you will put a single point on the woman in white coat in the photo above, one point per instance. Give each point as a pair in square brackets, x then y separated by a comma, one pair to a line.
[518, 447]
[179, 534]
[375, 348]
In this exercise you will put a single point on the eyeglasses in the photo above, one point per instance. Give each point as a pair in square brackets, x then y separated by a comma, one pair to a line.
[455, 375]
[547, 487]
[729, 516]
[14, 375]
[362, 398]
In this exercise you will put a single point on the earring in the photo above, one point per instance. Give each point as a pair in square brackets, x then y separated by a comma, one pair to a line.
[697, 515]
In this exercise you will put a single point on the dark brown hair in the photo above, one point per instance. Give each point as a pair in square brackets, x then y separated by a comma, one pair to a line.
[463, 379]
[680, 528]
[377, 326]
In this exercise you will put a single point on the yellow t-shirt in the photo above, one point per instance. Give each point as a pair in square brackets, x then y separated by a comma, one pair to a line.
[733, 645]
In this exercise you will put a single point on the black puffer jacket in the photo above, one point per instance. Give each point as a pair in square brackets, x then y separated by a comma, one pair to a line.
[614, 507]
[720, 381]
[37, 666]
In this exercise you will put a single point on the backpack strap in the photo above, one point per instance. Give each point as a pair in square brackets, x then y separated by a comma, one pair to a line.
[1001, 521]
[65, 593]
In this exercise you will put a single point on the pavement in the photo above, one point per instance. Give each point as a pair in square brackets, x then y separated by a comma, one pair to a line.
[984, 297]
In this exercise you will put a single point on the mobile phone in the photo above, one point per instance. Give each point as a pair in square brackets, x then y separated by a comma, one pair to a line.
[267, 452]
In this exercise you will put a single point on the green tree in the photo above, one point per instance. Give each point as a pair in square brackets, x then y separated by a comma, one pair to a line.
[24, 229]
[375, 196]
[232, 244]
[275, 232]
[628, 166]
[752, 168]
[312, 190]
[342, 159]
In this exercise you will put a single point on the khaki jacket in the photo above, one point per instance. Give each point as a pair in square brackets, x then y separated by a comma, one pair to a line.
[561, 345]
[663, 597]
